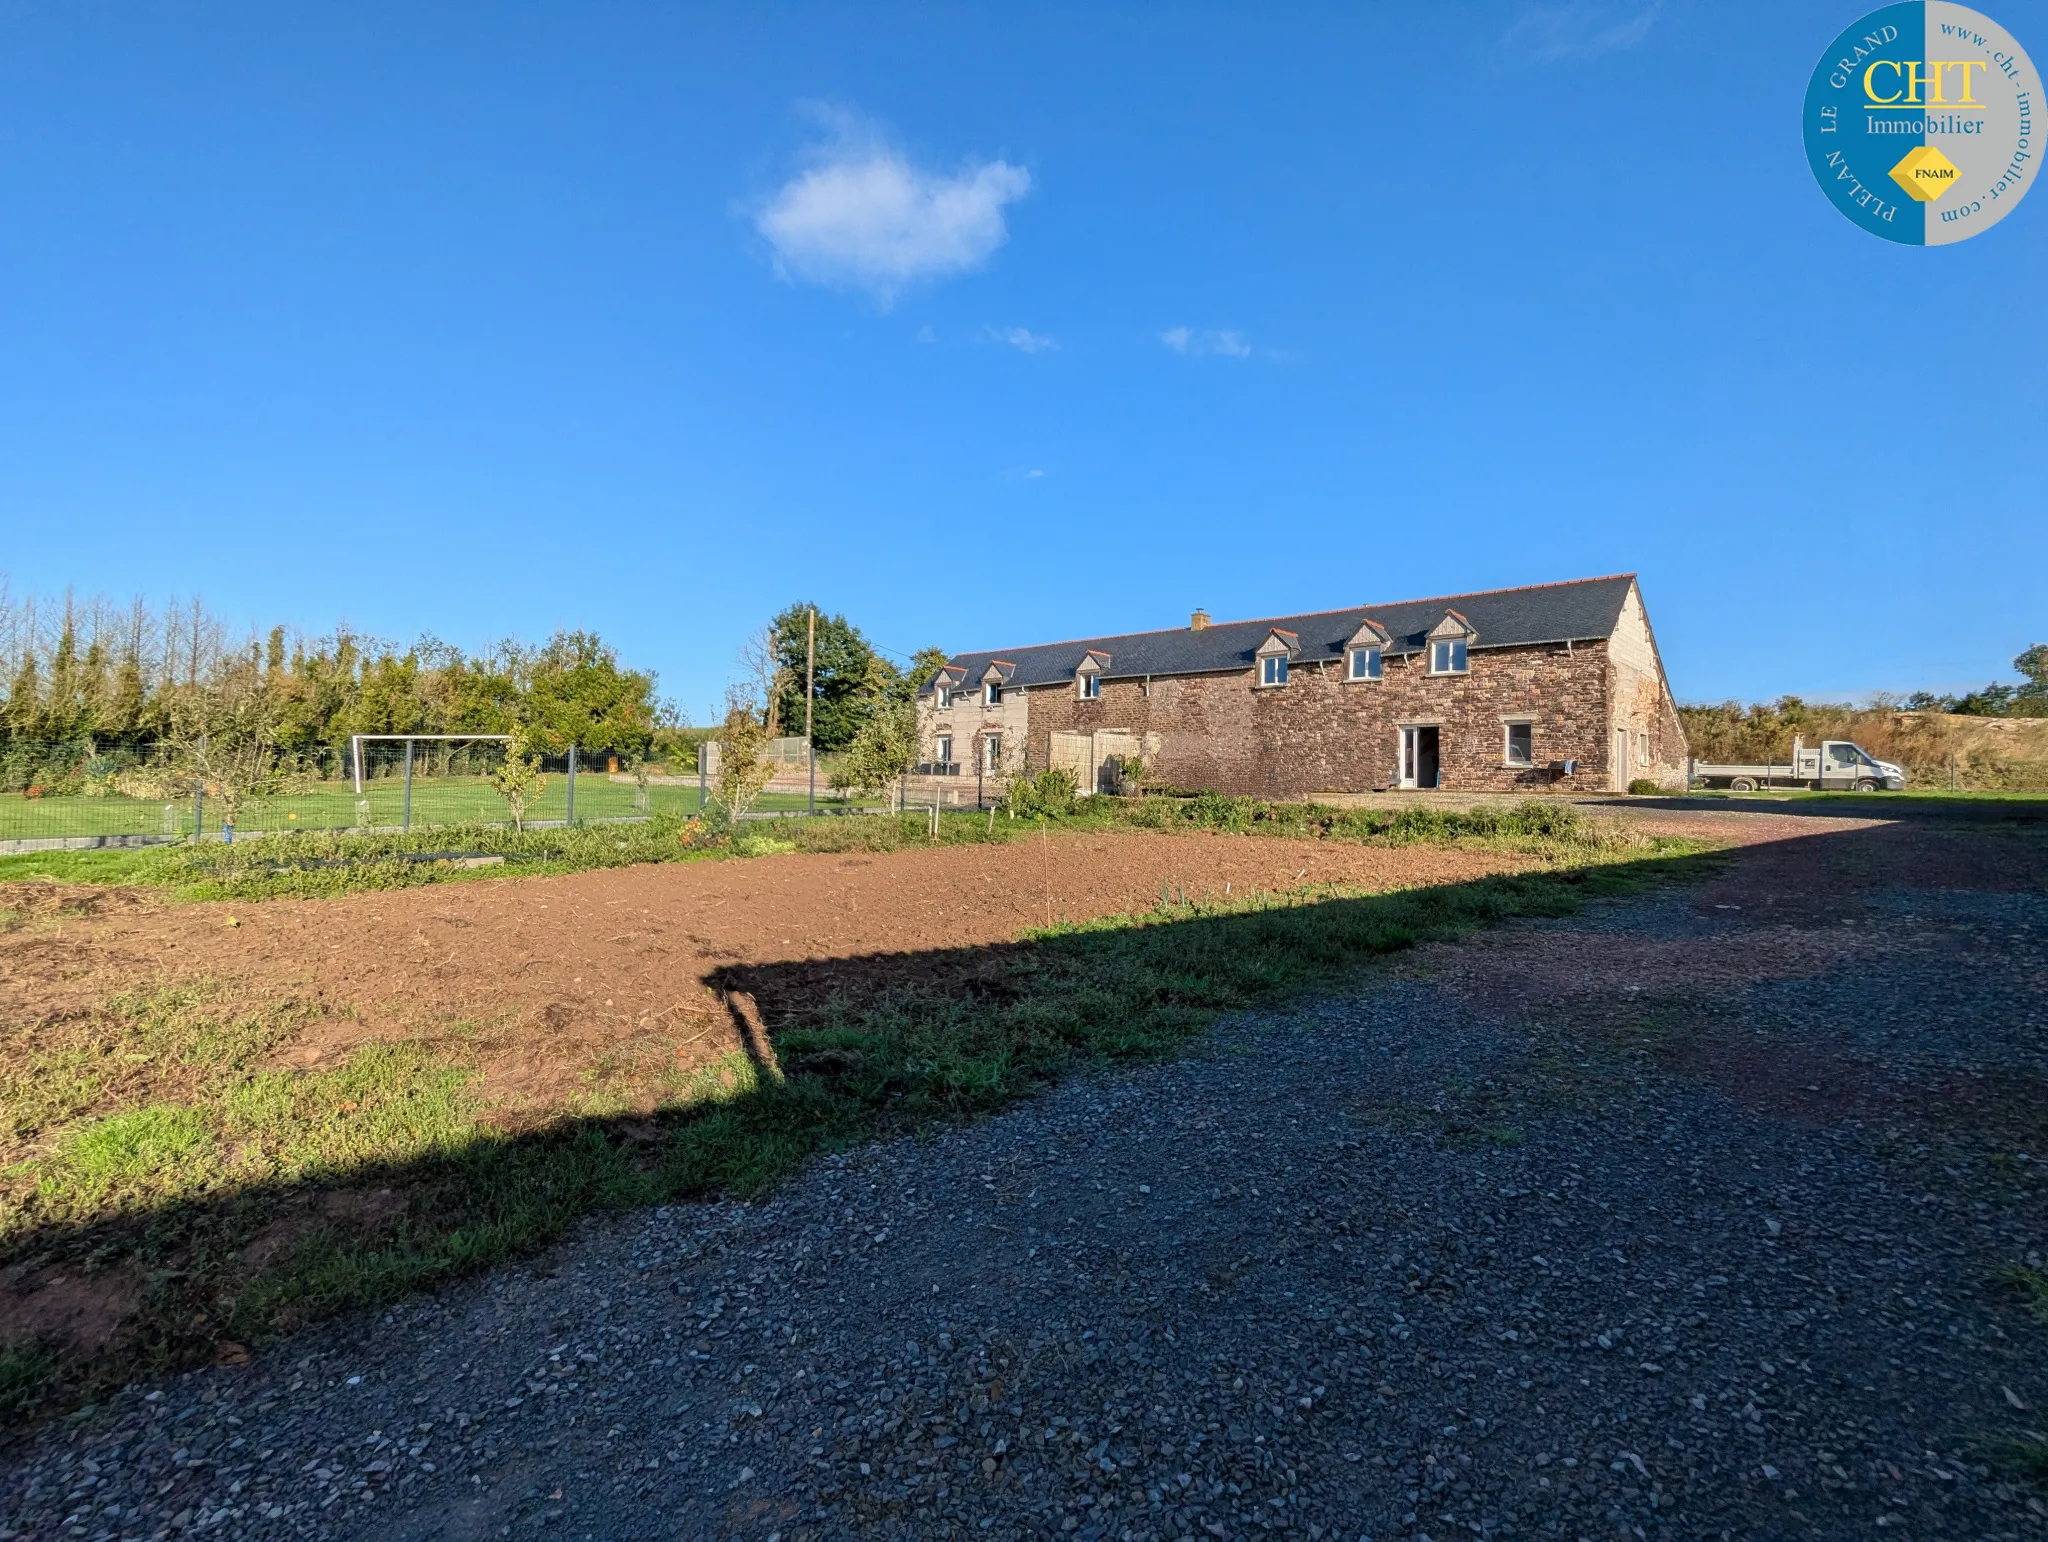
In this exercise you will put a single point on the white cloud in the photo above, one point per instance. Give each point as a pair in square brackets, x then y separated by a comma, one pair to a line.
[1023, 339]
[1024, 474]
[1185, 340]
[863, 216]
[1566, 29]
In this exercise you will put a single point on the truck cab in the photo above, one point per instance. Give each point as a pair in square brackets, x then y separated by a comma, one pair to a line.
[1846, 765]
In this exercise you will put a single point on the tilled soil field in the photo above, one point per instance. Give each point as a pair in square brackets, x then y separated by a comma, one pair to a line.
[1710, 1213]
[562, 967]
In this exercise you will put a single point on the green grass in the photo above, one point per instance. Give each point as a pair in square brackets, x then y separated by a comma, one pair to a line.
[160, 1144]
[453, 800]
[1876, 800]
[315, 863]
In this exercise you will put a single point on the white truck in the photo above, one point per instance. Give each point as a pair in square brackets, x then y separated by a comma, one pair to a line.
[1834, 763]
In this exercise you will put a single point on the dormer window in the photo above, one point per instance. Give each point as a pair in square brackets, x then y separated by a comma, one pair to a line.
[1447, 656]
[1362, 664]
[1273, 669]
[1091, 685]
[992, 695]
[944, 694]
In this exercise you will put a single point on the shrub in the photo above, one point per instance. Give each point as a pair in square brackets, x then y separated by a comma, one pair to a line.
[1643, 787]
[1049, 795]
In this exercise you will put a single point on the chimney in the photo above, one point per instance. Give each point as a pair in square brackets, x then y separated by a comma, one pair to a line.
[1198, 621]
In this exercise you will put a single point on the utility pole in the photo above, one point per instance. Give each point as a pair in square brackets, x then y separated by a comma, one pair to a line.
[810, 696]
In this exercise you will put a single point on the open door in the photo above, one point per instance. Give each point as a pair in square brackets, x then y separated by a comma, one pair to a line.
[1420, 756]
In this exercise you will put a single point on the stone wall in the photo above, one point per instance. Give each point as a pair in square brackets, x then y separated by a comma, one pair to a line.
[1322, 733]
[969, 722]
[1641, 702]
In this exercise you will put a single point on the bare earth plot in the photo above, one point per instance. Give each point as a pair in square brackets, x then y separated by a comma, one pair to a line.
[559, 969]
[1710, 1213]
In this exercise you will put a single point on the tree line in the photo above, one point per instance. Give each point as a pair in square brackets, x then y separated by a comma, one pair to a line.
[90, 686]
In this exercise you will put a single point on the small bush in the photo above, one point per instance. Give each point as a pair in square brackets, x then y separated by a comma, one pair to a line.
[1643, 787]
[1049, 795]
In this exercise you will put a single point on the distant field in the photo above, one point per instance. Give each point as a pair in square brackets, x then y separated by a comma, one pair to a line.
[334, 805]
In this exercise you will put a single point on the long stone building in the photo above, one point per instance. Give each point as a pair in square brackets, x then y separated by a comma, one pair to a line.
[1554, 687]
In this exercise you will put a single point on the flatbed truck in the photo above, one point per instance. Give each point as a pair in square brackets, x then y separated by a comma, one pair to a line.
[1831, 764]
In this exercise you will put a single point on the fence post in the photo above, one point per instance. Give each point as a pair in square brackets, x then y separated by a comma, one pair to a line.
[405, 818]
[198, 810]
[703, 776]
[814, 769]
[569, 818]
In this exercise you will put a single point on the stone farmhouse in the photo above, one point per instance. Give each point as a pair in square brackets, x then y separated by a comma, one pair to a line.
[1550, 688]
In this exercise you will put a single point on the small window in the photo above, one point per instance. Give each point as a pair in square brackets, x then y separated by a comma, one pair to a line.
[991, 695]
[1365, 664]
[1447, 657]
[992, 751]
[1273, 669]
[943, 751]
[945, 696]
[1521, 744]
[1643, 748]
[1091, 686]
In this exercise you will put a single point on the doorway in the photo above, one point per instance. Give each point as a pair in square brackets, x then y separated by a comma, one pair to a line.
[1621, 760]
[1419, 756]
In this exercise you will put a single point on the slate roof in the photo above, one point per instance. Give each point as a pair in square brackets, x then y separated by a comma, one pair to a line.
[1583, 610]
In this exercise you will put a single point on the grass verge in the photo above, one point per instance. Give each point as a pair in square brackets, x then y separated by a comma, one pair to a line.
[194, 1195]
[313, 864]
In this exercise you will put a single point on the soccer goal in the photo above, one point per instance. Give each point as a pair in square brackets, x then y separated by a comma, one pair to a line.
[357, 741]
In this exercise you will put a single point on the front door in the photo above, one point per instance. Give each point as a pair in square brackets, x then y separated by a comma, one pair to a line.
[1419, 756]
[1621, 760]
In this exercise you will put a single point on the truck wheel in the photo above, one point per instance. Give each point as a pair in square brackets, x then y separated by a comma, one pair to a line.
[1865, 784]
[1742, 784]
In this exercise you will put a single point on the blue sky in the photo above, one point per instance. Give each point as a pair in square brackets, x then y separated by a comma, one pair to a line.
[990, 325]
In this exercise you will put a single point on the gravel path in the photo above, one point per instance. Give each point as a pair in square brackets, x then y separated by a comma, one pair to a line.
[1677, 1219]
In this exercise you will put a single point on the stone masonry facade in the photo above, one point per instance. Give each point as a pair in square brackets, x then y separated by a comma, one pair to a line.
[1599, 703]
[1321, 733]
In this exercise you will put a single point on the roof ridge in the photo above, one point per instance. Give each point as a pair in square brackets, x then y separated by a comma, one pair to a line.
[1431, 599]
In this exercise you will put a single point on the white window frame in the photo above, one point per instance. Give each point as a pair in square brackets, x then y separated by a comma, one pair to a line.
[1642, 746]
[1091, 685]
[992, 694]
[944, 694]
[1508, 725]
[1453, 648]
[1272, 671]
[992, 752]
[1371, 657]
[942, 745]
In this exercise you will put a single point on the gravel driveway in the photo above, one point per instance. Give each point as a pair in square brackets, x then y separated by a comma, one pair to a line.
[1677, 1219]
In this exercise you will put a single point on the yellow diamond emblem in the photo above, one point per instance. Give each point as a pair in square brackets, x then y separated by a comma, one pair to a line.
[1925, 173]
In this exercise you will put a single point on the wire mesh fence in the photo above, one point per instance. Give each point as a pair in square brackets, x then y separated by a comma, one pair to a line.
[55, 795]
[59, 795]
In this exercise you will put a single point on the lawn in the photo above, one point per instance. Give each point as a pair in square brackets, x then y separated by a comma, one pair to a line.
[451, 800]
[159, 1148]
